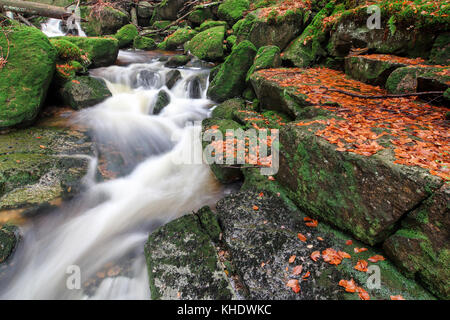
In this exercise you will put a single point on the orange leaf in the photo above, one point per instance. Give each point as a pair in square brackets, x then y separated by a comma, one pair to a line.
[398, 297]
[363, 295]
[293, 284]
[301, 237]
[376, 258]
[344, 255]
[312, 224]
[349, 285]
[315, 255]
[358, 250]
[292, 259]
[361, 265]
[349, 242]
[256, 208]
[306, 276]
[297, 270]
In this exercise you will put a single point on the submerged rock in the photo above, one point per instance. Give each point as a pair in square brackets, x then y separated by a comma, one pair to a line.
[26, 76]
[230, 79]
[162, 100]
[172, 77]
[182, 260]
[8, 240]
[84, 91]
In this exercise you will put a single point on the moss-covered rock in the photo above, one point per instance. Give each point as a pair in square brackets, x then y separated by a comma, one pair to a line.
[200, 15]
[208, 44]
[144, 43]
[161, 24]
[126, 35]
[26, 76]
[227, 109]
[162, 101]
[263, 31]
[84, 91]
[169, 9]
[102, 22]
[267, 57]
[8, 240]
[101, 52]
[177, 61]
[421, 248]
[233, 10]
[177, 39]
[440, 53]
[67, 50]
[172, 77]
[230, 79]
[417, 79]
[211, 24]
[182, 260]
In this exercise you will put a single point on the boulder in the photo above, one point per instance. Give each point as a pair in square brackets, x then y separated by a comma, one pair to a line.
[8, 240]
[208, 44]
[211, 24]
[144, 12]
[126, 35]
[101, 52]
[440, 53]
[102, 22]
[183, 262]
[227, 109]
[177, 39]
[267, 57]
[232, 10]
[418, 79]
[172, 77]
[421, 248]
[84, 91]
[144, 43]
[169, 9]
[178, 60]
[200, 15]
[263, 31]
[26, 76]
[162, 100]
[230, 79]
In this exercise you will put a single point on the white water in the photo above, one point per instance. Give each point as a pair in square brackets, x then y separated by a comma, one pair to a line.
[53, 28]
[107, 226]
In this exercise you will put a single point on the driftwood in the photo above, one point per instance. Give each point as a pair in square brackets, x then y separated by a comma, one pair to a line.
[33, 8]
[383, 96]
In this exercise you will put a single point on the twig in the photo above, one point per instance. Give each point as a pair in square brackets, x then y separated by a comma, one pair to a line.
[382, 96]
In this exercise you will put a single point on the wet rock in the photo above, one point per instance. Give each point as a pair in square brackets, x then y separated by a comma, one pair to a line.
[440, 53]
[40, 166]
[182, 260]
[421, 248]
[194, 88]
[101, 52]
[208, 44]
[230, 79]
[172, 77]
[177, 61]
[8, 240]
[84, 91]
[162, 101]
[148, 79]
[144, 43]
[263, 31]
[26, 76]
[102, 22]
[261, 243]
[232, 10]
[177, 39]
[126, 34]
[267, 57]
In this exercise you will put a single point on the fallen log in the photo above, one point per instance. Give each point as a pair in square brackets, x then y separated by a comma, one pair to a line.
[40, 9]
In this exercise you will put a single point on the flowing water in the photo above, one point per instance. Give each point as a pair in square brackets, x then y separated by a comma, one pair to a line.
[104, 230]
[56, 27]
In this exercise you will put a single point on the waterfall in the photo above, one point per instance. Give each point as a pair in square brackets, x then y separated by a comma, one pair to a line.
[102, 232]
[56, 27]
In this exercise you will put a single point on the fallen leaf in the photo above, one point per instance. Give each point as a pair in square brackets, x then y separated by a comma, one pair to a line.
[349, 285]
[315, 255]
[292, 259]
[320, 238]
[362, 265]
[363, 295]
[358, 250]
[312, 223]
[297, 270]
[376, 258]
[256, 208]
[344, 255]
[349, 242]
[306, 276]
[398, 297]
[294, 285]
[301, 237]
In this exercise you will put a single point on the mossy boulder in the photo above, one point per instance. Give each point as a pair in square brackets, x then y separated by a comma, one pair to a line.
[169, 9]
[8, 240]
[208, 44]
[84, 91]
[263, 31]
[417, 79]
[421, 248]
[200, 15]
[101, 52]
[67, 50]
[102, 22]
[310, 46]
[440, 53]
[232, 10]
[126, 35]
[230, 79]
[177, 61]
[172, 77]
[267, 57]
[177, 39]
[162, 101]
[211, 24]
[26, 76]
[161, 24]
[144, 43]
[182, 259]
[227, 109]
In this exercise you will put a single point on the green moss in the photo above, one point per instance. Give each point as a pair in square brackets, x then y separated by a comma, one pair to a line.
[211, 24]
[267, 57]
[107, 21]
[200, 15]
[67, 50]
[26, 76]
[8, 240]
[84, 91]
[177, 39]
[232, 10]
[208, 44]
[126, 35]
[161, 24]
[230, 79]
[144, 43]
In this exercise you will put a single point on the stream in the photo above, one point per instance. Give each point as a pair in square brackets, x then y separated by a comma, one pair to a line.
[102, 233]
